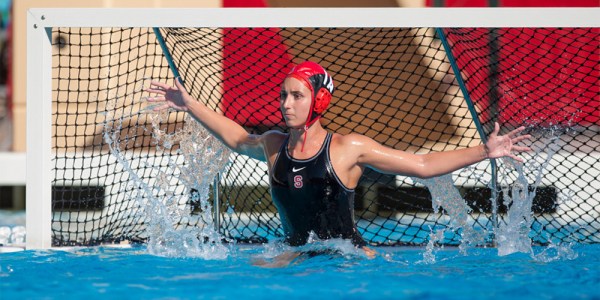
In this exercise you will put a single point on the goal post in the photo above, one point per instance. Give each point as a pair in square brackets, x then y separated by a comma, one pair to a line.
[39, 124]
[43, 37]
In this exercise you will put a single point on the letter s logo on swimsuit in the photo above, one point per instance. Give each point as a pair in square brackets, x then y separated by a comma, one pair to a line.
[298, 181]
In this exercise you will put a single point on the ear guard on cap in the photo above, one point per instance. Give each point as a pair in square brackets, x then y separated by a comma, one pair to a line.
[322, 100]
[321, 85]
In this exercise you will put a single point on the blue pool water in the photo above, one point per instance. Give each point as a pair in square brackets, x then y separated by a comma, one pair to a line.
[181, 269]
[396, 273]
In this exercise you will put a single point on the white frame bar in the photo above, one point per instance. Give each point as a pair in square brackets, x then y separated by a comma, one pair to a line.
[15, 164]
[319, 17]
[39, 113]
[40, 22]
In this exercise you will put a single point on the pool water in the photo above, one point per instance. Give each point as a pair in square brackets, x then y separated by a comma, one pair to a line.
[172, 265]
[395, 273]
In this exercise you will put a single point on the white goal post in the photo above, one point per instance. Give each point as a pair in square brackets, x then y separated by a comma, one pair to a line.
[41, 21]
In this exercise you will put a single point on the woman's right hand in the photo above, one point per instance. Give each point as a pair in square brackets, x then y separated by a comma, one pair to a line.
[173, 97]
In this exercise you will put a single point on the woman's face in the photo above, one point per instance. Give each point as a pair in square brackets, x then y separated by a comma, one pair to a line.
[295, 101]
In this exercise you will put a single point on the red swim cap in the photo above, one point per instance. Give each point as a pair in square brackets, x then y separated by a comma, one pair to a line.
[321, 85]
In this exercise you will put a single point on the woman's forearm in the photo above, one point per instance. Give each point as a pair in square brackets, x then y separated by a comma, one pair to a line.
[440, 163]
[226, 130]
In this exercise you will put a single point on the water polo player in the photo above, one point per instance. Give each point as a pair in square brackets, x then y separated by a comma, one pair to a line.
[314, 172]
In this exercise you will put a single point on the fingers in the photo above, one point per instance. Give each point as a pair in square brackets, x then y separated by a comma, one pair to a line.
[512, 133]
[159, 84]
[156, 91]
[369, 252]
[516, 158]
[158, 87]
[521, 149]
[156, 99]
[515, 131]
[521, 138]
[179, 82]
[514, 138]
[179, 85]
[160, 107]
[496, 130]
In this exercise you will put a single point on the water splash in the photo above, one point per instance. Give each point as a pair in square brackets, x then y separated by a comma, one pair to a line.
[343, 247]
[429, 254]
[446, 197]
[277, 253]
[512, 235]
[556, 252]
[190, 158]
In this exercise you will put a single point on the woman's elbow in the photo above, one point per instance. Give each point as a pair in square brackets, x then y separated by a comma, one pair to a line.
[425, 175]
[422, 169]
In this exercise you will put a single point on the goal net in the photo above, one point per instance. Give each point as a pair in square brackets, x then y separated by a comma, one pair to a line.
[416, 89]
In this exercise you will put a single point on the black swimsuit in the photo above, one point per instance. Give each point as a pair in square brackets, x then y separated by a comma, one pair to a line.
[310, 197]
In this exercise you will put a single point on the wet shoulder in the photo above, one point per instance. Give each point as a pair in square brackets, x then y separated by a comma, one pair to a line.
[274, 137]
[351, 140]
[273, 140]
[352, 144]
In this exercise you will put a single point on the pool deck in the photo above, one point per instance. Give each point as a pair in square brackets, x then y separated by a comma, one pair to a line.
[8, 249]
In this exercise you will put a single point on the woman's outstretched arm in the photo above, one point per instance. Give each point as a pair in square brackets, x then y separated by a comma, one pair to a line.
[374, 155]
[226, 130]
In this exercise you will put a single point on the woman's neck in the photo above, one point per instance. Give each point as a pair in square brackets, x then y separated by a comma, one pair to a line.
[300, 146]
